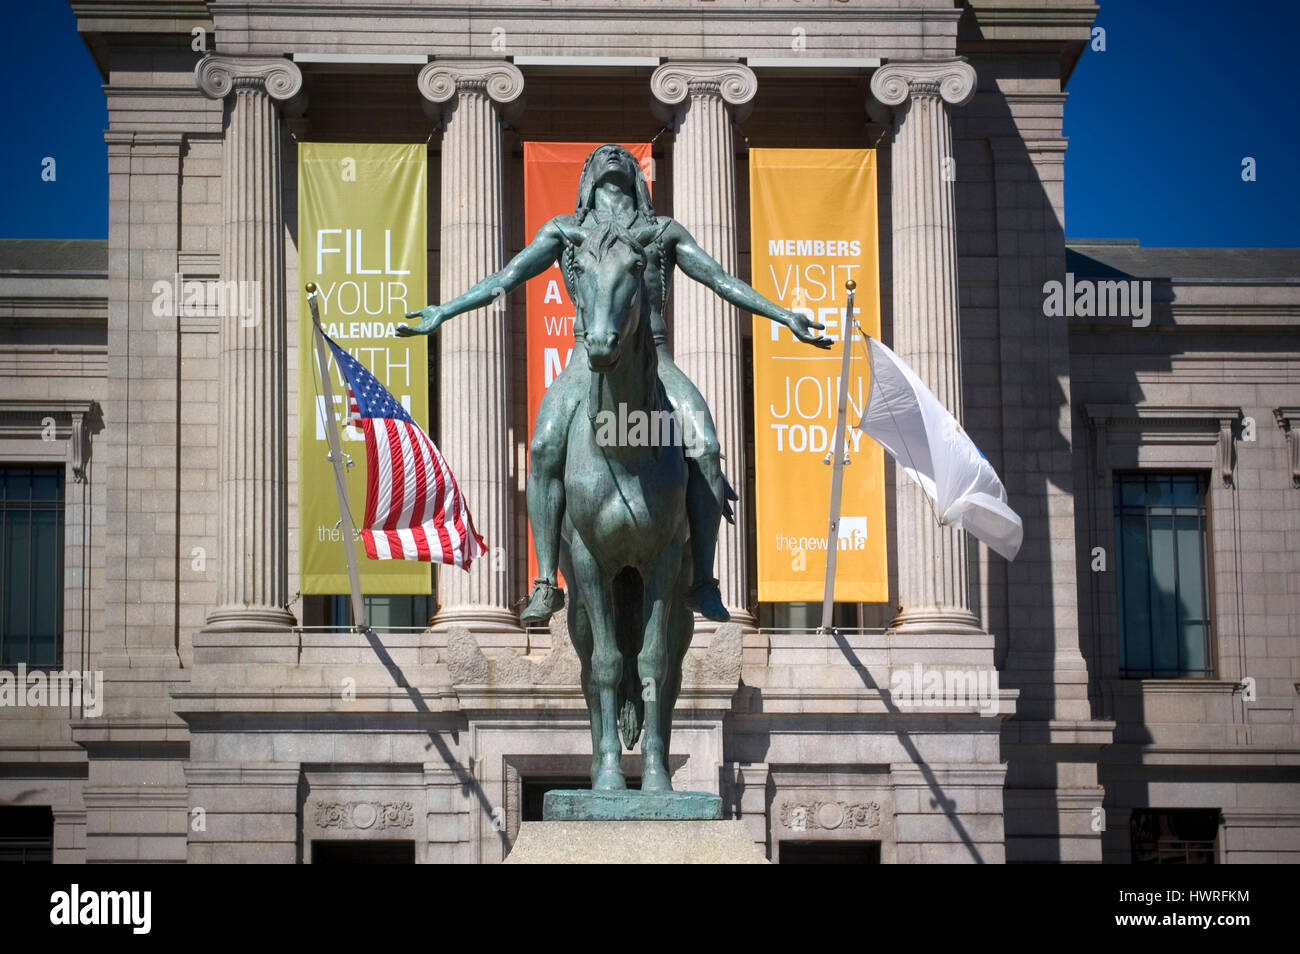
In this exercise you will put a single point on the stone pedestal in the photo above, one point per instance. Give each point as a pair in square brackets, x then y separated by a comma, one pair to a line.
[635, 843]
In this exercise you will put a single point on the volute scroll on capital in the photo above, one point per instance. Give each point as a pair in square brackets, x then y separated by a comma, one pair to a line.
[952, 80]
[217, 75]
[442, 80]
[672, 83]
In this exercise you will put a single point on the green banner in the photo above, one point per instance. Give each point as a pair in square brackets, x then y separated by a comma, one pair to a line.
[363, 239]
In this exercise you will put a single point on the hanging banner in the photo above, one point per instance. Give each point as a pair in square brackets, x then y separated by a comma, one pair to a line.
[813, 227]
[551, 173]
[363, 239]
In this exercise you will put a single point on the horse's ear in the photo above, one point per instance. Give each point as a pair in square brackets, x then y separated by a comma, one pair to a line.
[572, 233]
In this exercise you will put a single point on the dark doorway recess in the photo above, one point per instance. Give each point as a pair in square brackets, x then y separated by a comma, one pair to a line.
[363, 852]
[830, 852]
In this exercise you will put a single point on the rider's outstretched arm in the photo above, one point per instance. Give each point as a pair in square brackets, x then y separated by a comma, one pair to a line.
[537, 256]
[699, 265]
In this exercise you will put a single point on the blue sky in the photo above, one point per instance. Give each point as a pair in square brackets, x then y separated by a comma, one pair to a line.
[1158, 126]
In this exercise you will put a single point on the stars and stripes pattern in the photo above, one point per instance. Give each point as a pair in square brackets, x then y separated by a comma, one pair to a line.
[414, 510]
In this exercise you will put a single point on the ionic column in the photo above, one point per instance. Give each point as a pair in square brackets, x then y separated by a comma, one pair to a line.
[252, 437]
[932, 574]
[702, 99]
[474, 374]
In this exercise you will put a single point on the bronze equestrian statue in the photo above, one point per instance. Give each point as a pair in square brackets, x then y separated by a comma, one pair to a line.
[632, 510]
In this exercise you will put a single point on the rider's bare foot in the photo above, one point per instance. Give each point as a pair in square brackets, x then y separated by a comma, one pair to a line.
[705, 599]
[543, 602]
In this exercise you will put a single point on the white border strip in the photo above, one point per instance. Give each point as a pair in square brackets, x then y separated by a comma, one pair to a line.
[377, 59]
[613, 61]
[813, 62]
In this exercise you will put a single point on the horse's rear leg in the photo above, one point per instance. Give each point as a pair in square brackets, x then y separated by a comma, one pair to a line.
[653, 667]
[606, 668]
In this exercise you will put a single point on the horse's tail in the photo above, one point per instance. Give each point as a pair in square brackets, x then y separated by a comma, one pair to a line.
[628, 631]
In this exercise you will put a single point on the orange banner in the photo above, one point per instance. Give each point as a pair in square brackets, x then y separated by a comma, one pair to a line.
[551, 172]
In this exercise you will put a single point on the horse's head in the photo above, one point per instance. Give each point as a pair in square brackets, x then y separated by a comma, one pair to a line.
[606, 271]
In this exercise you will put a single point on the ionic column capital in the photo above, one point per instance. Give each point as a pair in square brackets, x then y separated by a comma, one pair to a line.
[953, 81]
[443, 81]
[218, 75]
[671, 84]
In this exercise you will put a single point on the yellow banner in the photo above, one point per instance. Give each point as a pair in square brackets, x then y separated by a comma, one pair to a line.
[813, 223]
[363, 239]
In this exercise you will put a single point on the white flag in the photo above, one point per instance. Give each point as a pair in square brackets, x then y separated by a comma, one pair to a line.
[909, 422]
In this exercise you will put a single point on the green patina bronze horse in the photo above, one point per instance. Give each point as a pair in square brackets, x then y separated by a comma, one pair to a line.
[625, 523]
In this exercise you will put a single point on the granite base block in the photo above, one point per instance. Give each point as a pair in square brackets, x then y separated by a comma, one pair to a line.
[635, 843]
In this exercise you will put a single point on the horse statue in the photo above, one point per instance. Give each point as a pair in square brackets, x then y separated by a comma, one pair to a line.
[625, 530]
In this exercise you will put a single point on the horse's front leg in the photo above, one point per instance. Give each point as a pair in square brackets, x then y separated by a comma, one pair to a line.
[652, 665]
[606, 667]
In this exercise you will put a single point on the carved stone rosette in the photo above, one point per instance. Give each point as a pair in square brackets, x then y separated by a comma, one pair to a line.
[829, 815]
[363, 815]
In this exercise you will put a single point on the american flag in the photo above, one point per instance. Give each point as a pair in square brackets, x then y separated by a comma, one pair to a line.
[414, 510]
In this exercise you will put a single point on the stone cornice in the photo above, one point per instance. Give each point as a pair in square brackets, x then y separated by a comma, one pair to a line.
[953, 80]
[74, 421]
[676, 80]
[1167, 425]
[217, 75]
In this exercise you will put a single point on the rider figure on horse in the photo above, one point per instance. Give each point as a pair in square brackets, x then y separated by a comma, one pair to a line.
[613, 190]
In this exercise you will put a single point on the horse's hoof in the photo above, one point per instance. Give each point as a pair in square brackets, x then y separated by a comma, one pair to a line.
[656, 782]
[610, 782]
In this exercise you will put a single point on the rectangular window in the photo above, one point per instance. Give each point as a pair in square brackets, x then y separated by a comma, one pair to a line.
[806, 616]
[1162, 580]
[1180, 836]
[382, 612]
[31, 567]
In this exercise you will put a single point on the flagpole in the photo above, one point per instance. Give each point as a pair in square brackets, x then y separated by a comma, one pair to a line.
[340, 475]
[837, 458]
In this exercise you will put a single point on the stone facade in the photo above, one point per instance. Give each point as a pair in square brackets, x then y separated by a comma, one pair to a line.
[231, 733]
